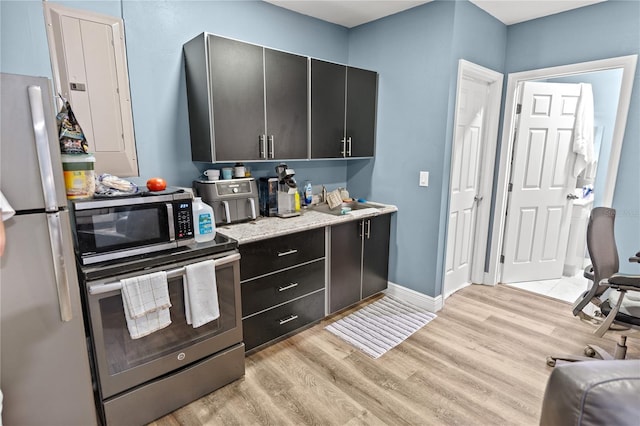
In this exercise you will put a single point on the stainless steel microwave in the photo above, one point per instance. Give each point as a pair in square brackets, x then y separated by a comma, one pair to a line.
[115, 228]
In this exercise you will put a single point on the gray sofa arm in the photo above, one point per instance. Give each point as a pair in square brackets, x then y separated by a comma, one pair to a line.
[593, 393]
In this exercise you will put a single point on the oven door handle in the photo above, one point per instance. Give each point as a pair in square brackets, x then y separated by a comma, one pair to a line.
[173, 273]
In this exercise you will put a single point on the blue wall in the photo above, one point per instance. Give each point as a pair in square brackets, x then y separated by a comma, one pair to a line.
[415, 53]
[600, 31]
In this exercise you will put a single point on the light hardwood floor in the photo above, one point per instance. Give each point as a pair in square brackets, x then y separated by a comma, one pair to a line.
[480, 362]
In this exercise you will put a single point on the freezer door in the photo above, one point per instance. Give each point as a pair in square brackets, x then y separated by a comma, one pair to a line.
[21, 179]
[45, 363]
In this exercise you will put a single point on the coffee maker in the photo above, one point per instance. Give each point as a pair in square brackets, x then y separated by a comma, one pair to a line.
[287, 190]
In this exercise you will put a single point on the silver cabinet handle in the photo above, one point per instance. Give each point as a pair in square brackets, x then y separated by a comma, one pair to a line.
[368, 233]
[572, 197]
[262, 146]
[271, 147]
[287, 253]
[253, 208]
[60, 269]
[361, 229]
[42, 148]
[344, 147]
[286, 320]
[288, 287]
[349, 146]
[225, 203]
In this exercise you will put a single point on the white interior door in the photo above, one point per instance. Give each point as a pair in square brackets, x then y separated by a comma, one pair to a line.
[465, 181]
[539, 211]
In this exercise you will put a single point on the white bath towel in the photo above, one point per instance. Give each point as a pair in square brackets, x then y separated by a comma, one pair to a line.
[146, 303]
[201, 293]
[583, 130]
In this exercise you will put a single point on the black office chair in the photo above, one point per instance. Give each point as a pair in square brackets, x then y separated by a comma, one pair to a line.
[608, 289]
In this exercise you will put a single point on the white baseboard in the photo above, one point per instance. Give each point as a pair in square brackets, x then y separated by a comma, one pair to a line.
[431, 304]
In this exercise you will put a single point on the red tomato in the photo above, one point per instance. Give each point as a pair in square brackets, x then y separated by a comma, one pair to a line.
[156, 184]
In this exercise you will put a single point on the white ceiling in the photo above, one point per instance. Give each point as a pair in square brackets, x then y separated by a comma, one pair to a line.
[351, 13]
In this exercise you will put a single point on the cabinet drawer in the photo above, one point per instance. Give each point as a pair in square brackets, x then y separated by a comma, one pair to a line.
[263, 257]
[276, 322]
[265, 292]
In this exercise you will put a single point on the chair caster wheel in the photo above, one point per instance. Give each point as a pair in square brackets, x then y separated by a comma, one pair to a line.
[588, 351]
[551, 362]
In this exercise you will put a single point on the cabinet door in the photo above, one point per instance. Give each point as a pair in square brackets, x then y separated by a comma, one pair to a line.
[287, 104]
[375, 258]
[346, 255]
[237, 92]
[362, 86]
[327, 109]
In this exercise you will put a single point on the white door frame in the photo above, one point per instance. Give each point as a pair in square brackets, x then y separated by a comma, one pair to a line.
[494, 81]
[628, 66]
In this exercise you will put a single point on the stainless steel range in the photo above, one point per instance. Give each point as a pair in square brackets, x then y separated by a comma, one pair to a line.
[139, 380]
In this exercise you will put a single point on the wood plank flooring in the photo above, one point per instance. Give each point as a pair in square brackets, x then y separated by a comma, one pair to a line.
[481, 361]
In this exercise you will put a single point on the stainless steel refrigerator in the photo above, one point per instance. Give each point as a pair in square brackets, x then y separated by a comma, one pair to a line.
[44, 364]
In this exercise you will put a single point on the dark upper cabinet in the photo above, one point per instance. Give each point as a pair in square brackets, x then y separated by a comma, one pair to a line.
[246, 102]
[286, 88]
[343, 111]
[362, 88]
[328, 85]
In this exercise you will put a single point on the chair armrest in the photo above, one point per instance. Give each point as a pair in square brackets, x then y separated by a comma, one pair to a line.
[616, 280]
[588, 273]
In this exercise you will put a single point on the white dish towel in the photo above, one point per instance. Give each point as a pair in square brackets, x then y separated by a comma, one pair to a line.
[146, 303]
[583, 130]
[201, 293]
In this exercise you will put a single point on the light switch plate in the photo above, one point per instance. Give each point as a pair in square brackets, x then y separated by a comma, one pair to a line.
[424, 179]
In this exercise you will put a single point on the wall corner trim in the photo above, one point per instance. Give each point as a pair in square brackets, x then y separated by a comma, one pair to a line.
[432, 304]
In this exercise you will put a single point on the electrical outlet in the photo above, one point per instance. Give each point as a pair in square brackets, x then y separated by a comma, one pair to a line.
[424, 179]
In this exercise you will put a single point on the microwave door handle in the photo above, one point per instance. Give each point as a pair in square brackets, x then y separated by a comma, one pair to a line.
[226, 211]
[42, 148]
[172, 229]
[253, 208]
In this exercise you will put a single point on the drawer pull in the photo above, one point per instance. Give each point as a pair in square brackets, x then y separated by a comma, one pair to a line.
[287, 287]
[287, 253]
[286, 320]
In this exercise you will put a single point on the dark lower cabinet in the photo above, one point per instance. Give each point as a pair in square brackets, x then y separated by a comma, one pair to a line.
[283, 319]
[283, 285]
[359, 260]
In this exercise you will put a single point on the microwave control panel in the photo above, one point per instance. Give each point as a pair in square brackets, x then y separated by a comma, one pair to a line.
[183, 219]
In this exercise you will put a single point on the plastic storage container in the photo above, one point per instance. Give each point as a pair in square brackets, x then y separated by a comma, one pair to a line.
[203, 221]
[79, 175]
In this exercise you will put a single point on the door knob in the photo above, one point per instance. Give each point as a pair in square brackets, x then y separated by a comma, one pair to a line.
[572, 197]
[477, 198]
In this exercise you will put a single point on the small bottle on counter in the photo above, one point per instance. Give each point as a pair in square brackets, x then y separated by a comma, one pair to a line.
[308, 193]
[297, 201]
[204, 221]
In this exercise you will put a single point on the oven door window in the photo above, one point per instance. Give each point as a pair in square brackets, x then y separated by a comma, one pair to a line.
[121, 353]
[117, 228]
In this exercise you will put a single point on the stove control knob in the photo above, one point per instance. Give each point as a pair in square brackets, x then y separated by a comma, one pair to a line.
[235, 190]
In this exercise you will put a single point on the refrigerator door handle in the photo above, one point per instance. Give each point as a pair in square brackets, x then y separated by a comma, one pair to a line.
[60, 269]
[42, 148]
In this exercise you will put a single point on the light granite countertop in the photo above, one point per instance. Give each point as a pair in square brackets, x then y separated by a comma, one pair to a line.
[269, 227]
